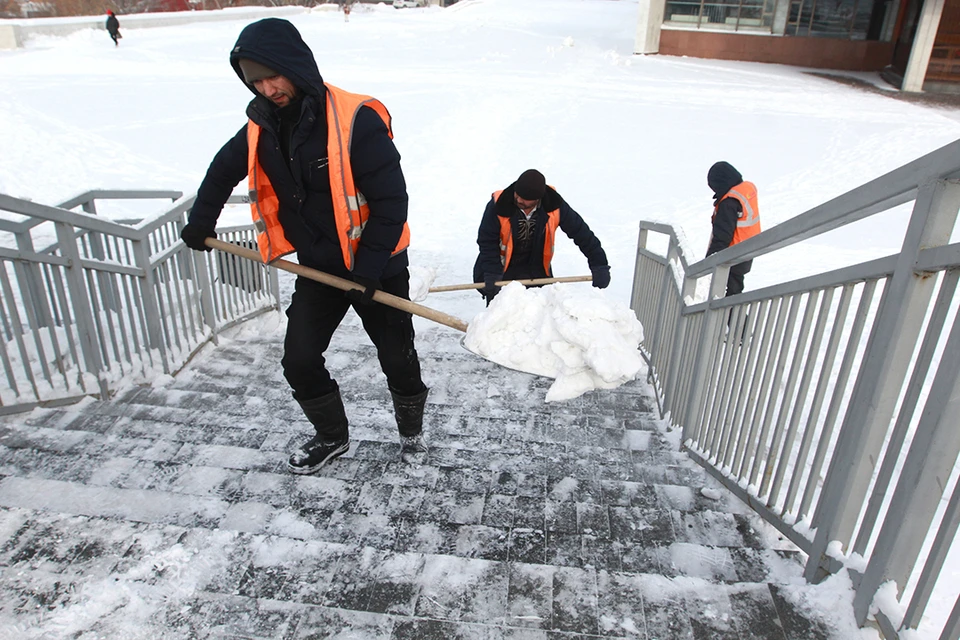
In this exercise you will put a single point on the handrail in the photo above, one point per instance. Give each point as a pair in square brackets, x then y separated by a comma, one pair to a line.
[117, 194]
[32, 256]
[38, 213]
[789, 394]
[109, 300]
[80, 220]
[874, 269]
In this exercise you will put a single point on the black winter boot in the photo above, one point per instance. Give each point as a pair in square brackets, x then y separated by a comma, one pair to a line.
[409, 413]
[329, 418]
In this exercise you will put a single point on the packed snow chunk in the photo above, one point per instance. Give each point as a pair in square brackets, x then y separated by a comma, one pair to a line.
[421, 279]
[710, 493]
[575, 335]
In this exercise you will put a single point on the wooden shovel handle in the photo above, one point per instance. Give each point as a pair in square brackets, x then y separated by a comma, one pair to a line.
[503, 283]
[340, 283]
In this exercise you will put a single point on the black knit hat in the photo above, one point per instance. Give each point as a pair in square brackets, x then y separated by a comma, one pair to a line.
[253, 71]
[531, 185]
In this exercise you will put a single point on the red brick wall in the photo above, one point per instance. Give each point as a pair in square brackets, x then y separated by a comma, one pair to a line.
[819, 53]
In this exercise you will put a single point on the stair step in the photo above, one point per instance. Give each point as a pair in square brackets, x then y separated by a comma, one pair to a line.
[576, 519]
[370, 587]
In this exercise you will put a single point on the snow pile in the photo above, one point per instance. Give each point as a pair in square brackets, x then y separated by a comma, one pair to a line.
[573, 334]
[421, 279]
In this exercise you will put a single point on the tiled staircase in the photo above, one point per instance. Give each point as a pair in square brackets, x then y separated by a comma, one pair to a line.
[169, 510]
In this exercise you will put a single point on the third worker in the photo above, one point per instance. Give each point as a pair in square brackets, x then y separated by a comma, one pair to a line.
[736, 217]
[518, 232]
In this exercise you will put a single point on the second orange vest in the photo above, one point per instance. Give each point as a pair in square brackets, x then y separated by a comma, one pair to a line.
[748, 222]
[350, 207]
[549, 240]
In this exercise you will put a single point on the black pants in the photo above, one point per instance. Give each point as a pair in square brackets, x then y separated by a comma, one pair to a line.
[734, 283]
[115, 35]
[315, 313]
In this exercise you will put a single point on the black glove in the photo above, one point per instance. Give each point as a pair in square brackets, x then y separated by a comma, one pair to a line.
[490, 290]
[364, 296]
[601, 276]
[193, 236]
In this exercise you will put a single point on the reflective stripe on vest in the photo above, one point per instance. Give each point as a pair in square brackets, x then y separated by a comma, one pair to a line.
[350, 207]
[748, 220]
[264, 204]
[549, 237]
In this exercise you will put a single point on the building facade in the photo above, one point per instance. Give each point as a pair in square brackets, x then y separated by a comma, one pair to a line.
[915, 43]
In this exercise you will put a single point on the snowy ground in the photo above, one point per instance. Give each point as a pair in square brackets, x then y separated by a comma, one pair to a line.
[479, 92]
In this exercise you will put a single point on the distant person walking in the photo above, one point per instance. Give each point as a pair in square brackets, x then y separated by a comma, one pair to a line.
[518, 230]
[113, 28]
[736, 217]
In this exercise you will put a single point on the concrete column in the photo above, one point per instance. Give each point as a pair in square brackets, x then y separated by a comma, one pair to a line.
[10, 36]
[922, 45]
[649, 21]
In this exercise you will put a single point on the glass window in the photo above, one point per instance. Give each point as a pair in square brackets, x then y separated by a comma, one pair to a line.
[849, 19]
[724, 15]
[830, 18]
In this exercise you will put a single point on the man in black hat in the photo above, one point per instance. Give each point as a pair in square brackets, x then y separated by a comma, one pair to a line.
[325, 182]
[736, 217]
[518, 231]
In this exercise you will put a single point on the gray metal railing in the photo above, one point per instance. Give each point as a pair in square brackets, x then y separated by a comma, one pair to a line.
[104, 302]
[828, 404]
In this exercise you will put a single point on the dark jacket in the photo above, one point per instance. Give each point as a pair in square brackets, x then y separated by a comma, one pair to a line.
[113, 25]
[488, 237]
[721, 178]
[302, 181]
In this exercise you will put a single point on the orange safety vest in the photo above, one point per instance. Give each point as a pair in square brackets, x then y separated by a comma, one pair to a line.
[349, 206]
[549, 240]
[748, 220]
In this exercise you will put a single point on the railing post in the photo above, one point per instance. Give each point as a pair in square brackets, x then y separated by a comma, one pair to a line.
[205, 291]
[920, 487]
[275, 284]
[701, 368]
[883, 369]
[930, 461]
[635, 289]
[83, 315]
[148, 294]
[671, 384]
[107, 293]
[34, 280]
[661, 303]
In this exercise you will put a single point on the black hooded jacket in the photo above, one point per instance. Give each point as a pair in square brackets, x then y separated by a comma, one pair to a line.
[302, 179]
[488, 237]
[721, 178]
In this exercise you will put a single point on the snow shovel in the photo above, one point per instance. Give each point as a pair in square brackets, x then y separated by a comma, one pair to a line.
[340, 283]
[503, 283]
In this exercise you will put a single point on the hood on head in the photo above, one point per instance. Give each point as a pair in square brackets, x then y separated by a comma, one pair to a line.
[721, 177]
[276, 43]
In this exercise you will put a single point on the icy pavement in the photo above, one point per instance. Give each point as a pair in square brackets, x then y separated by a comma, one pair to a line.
[167, 512]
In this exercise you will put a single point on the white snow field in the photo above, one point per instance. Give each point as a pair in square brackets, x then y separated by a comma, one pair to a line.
[480, 92]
